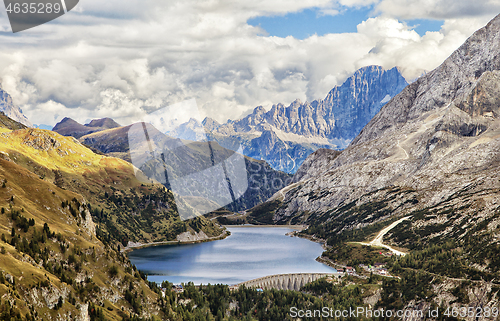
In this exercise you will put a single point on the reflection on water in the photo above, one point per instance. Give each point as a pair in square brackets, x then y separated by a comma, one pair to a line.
[249, 253]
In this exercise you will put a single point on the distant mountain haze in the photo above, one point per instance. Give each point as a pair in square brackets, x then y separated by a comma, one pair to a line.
[263, 181]
[70, 127]
[285, 135]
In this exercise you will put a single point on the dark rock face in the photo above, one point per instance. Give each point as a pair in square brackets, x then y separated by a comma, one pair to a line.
[70, 127]
[263, 181]
[326, 123]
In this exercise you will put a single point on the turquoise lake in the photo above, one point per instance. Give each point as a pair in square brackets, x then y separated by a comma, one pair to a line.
[248, 253]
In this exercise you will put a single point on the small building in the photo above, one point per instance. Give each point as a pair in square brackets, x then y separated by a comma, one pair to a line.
[379, 265]
[382, 271]
[349, 270]
[178, 288]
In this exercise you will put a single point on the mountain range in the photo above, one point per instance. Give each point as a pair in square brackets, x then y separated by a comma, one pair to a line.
[70, 127]
[438, 136]
[262, 180]
[424, 169]
[431, 155]
[285, 135]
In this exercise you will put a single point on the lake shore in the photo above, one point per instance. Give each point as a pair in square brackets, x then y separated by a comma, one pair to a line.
[293, 227]
[137, 246]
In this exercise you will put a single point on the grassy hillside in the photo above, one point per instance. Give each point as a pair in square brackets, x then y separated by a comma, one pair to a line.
[64, 214]
[122, 206]
[52, 264]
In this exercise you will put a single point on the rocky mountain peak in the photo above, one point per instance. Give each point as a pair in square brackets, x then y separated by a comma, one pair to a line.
[12, 111]
[259, 110]
[104, 123]
[70, 127]
[457, 74]
[210, 124]
[302, 127]
[435, 141]
[64, 123]
[344, 111]
[296, 104]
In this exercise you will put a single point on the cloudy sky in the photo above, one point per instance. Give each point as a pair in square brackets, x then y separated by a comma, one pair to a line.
[122, 58]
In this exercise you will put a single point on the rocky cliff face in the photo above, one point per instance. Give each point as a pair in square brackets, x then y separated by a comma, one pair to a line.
[285, 135]
[314, 163]
[345, 110]
[12, 111]
[456, 76]
[431, 156]
[434, 146]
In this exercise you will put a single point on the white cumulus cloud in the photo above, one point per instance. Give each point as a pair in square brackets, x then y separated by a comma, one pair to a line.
[108, 59]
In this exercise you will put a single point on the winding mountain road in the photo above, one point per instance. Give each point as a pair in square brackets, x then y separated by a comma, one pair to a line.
[377, 241]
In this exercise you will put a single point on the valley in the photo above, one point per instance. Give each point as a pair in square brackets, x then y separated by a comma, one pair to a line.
[398, 182]
[424, 169]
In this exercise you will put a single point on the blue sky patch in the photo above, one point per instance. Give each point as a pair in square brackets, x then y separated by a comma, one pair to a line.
[306, 23]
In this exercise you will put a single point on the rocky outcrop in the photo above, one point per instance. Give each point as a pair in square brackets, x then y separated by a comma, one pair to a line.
[188, 237]
[436, 142]
[316, 161]
[41, 140]
[12, 111]
[8, 123]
